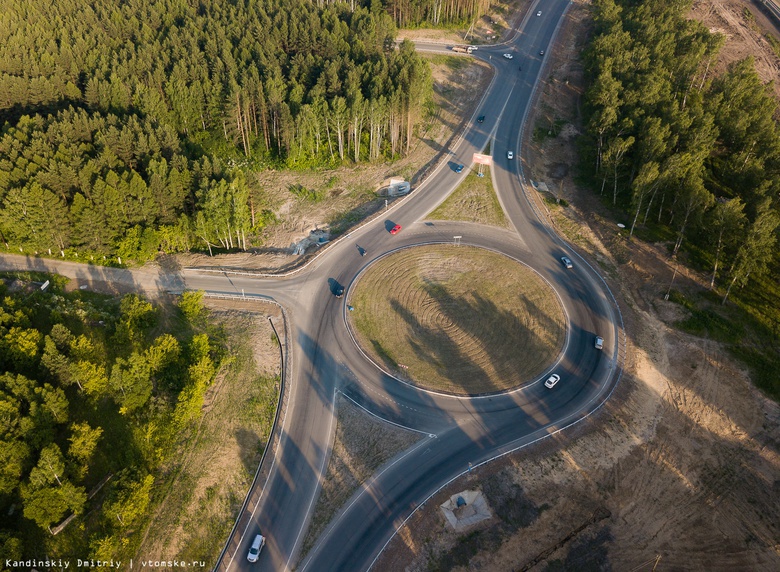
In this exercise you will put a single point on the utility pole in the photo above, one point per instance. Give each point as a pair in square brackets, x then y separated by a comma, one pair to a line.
[666, 297]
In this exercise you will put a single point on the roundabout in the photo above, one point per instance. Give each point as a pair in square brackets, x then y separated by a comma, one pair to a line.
[458, 320]
[455, 335]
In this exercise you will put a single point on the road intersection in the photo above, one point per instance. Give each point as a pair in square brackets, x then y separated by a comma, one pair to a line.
[460, 433]
[457, 433]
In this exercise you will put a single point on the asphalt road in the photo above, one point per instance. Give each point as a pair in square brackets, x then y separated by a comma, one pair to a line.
[458, 433]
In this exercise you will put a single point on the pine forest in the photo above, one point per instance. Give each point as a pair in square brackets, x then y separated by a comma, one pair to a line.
[126, 127]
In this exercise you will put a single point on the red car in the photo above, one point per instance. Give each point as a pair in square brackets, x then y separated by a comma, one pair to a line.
[396, 229]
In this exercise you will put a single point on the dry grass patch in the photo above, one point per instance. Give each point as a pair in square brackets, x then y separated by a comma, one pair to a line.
[363, 444]
[457, 319]
[473, 201]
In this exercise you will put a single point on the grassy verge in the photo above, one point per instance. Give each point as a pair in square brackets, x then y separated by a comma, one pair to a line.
[473, 201]
[362, 445]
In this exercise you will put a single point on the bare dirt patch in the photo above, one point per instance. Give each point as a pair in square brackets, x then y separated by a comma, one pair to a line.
[215, 466]
[363, 443]
[685, 457]
[443, 318]
[743, 38]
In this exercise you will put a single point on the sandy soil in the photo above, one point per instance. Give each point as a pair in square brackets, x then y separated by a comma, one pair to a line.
[743, 38]
[681, 469]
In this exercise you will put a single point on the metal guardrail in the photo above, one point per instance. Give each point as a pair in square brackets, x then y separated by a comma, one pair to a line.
[771, 7]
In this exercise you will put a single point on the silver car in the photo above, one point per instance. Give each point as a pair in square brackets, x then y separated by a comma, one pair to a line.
[552, 380]
[257, 546]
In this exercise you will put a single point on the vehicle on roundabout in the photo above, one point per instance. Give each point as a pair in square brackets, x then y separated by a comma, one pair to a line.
[339, 291]
[539, 13]
[396, 229]
[552, 380]
[541, 52]
[599, 343]
[508, 56]
[510, 155]
[566, 262]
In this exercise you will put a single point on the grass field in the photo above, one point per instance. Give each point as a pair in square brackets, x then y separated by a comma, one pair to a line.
[457, 319]
[473, 201]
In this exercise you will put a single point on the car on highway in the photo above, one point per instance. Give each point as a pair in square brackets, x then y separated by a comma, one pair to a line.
[541, 52]
[396, 229]
[257, 546]
[566, 262]
[458, 168]
[480, 119]
[552, 380]
[539, 13]
[510, 155]
[508, 56]
[599, 343]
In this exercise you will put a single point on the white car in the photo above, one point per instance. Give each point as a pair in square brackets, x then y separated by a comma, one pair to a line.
[508, 56]
[599, 343]
[510, 155]
[552, 380]
[539, 13]
[257, 546]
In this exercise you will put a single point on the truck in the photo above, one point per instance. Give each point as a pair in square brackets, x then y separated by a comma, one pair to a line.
[463, 49]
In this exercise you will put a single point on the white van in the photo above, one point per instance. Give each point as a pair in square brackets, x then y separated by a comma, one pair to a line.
[257, 546]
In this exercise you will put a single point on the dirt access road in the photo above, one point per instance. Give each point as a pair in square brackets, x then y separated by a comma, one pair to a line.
[682, 467]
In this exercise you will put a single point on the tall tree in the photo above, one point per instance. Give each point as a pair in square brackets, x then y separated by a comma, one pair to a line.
[726, 220]
[757, 248]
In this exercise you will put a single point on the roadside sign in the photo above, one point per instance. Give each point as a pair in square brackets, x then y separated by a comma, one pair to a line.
[481, 159]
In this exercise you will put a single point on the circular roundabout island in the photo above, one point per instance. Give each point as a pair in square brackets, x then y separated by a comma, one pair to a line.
[459, 320]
